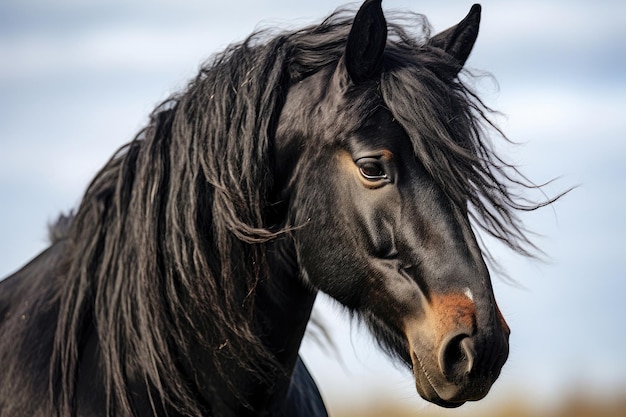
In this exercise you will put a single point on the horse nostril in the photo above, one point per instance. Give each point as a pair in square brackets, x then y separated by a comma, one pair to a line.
[456, 356]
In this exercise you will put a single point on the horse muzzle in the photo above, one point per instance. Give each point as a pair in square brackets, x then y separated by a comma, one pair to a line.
[456, 354]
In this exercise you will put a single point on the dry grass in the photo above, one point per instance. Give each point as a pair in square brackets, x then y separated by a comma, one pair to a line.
[576, 406]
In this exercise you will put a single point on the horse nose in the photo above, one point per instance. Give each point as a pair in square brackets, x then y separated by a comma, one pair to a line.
[456, 355]
[469, 363]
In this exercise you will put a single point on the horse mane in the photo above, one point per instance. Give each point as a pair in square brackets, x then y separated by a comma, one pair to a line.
[168, 244]
[451, 131]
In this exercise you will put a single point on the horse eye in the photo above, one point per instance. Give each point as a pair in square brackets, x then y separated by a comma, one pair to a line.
[372, 171]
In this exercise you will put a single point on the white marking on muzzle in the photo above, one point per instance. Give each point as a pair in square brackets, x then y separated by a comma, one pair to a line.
[468, 294]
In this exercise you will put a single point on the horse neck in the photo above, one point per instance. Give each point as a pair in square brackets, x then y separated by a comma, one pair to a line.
[285, 304]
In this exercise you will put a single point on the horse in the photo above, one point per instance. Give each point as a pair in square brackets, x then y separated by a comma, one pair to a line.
[350, 158]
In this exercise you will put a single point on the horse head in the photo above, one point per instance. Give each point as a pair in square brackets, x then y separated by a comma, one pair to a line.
[375, 223]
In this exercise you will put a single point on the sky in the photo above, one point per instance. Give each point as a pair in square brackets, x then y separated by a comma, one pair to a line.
[78, 80]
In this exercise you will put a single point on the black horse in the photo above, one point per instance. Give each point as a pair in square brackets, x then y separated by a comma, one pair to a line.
[347, 157]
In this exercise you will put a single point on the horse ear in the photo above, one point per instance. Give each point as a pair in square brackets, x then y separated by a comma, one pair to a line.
[363, 58]
[458, 40]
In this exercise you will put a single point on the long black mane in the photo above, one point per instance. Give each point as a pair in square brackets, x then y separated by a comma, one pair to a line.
[169, 243]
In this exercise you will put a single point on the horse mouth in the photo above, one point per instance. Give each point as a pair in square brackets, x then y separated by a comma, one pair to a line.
[425, 385]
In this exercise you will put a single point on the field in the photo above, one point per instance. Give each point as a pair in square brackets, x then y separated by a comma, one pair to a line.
[574, 406]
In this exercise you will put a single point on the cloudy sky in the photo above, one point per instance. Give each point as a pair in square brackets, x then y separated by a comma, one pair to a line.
[78, 79]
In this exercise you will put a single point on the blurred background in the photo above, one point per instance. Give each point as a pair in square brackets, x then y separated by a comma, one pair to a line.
[78, 79]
